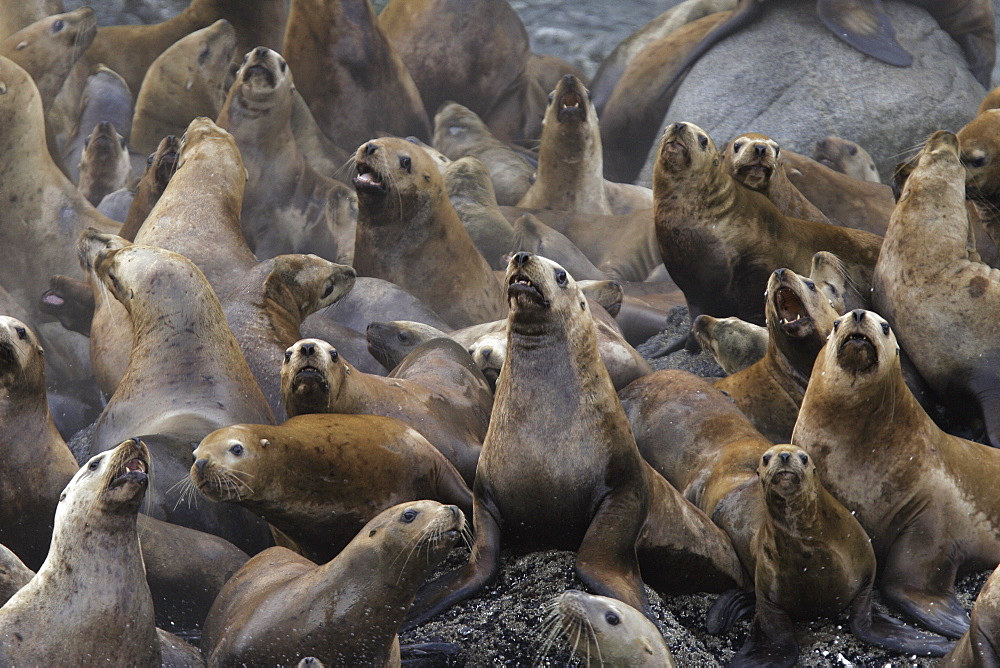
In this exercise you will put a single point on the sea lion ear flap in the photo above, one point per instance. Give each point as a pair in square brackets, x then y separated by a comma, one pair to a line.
[863, 25]
[264, 442]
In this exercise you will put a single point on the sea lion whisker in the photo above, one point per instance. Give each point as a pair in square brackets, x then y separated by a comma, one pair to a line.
[417, 541]
[549, 630]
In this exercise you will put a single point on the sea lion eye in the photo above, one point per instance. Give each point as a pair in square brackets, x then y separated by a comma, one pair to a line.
[836, 324]
[122, 142]
[551, 97]
[334, 355]
[703, 140]
[811, 285]
[405, 162]
[21, 334]
[885, 328]
[58, 25]
[853, 150]
[976, 162]
[284, 66]
[766, 460]
[203, 56]
[328, 291]
[236, 449]
[288, 355]
[86, 142]
[403, 337]
[149, 160]
[804, 458]
[777, 151]
[94, 465]
[590, 96]
[409, 516]
[612, 618]
[561, 278]
[737, 146]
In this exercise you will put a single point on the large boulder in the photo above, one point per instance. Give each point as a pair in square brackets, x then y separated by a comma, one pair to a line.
[789, 77]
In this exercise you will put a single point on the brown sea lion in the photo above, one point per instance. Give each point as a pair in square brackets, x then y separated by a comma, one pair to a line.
[701, 209]
[104, 165]
[612, 505]
[929, 233]
[319, 498]
[106, 97]
[471, 192]
[351, 73]
[288, 206]
[264, 615]
[160, 166]
[437, 390]
[923, 496]
[186, 81]
[980, 151]
[753, 160]
[93, 579]
[735, 344]
[978, 647]
[399, 187]
[846, 157]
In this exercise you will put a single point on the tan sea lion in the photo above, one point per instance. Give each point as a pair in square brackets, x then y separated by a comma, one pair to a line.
[471, 192]
[612, 632]
[735, 344]
[104, 165]
[16, 15]
[367, 464]
[93, 579]
[980, 150]
[929, 233]
[923, 496]
[13, 574]
[106, 97]
[351, 73]
[700, 209]
[846, 157]
[160, 168]
[186, 81]
[288, 206]
[753, 160]
[399, 188]
[264, 615]
[611, 503]
[978, 647]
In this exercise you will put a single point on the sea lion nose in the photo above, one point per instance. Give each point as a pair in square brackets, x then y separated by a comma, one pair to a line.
[486, 352]
[521, 259]
[370, 148]
[569, 79]
[785, 457]
[308, 349]
[679, 126]
[858, 314]
[200, 464]
[759, 149]
[261, 51]
[780, 273]
[104, 126]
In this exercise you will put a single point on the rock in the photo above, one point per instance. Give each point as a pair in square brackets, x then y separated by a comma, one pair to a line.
[789, 77]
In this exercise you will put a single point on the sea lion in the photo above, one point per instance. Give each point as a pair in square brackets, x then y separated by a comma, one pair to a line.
[929, 233]
[95, 549]
[367, 464]
[375, 299]
[351, 73]
[437, 390]
[978, 646]
[288, 206]
[16, 15]
[612, 632]
[701, 214]
[753, 160]
[160, 168]
[265, 313]
[13, 574]
[923, 496]
[471, 192]
[399, 187]
[846, 157]
[106, 97]
[769, 392]
[459, 132]
[104, 165]
[612, 505]
[186, 81]
[264, 615]
[735, 344]
[980, 149]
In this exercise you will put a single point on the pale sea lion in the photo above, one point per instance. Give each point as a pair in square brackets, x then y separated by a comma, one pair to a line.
[186, 81]
[106, 97]
[16, 15]
[264, 613]
[104, 165]
[980, 151]
[847, 157]
[367, 464]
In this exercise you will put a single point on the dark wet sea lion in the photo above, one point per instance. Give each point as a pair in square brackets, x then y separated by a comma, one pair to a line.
[160, 167]
[104, 165]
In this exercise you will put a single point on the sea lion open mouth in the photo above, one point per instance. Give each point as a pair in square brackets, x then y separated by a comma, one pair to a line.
[785, 481]
[134, 470]
[792, 314]
[523, 290]
[310, 374]
[571, 107]
[757, 170]
[857, 352]
[259, 70]
[368, 180]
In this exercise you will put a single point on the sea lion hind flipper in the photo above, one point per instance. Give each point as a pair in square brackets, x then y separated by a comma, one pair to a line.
[687, 342]
[771, 641]
[729, 608]
[418, 655]
[880, 629]
[864, 25]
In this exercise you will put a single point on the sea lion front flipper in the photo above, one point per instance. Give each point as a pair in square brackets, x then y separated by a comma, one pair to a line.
[772, 639]
[729, 608]
[864, 25]
[880, 629]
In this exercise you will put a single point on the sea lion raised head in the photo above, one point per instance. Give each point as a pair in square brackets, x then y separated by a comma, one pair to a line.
[797, 309]
[104, 165]
[544, 297]
[751, 159]
[862, 347]
[22, 369]
[263, 78]
[686, 147]
[310, 376]
[116, 480]
[395, 176]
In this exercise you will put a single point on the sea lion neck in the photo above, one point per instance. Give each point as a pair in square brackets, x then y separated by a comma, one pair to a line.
[796, 513]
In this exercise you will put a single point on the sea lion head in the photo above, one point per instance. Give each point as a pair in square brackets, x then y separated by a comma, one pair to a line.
[92, 241]
[751, 159]
[113, 481]
[162, 163]
[414, 535]
[938, 172]
[539, 290]
[21, 365]
[310, 281]
[980, 142]
[861, 348]
[796, 308]
[152, 276]
[489, 353]
[390, 342]
[74, 31]
[569, 103]
[735, 344]
[105, 156]
[613, 633]
[784, 470]
[455, 120]
[686, 147]
[397, 181]
[204, 139]
[263, 79]
[830, 275]
[21, 108]
[311, 376]
[227, 464]
[846, 157]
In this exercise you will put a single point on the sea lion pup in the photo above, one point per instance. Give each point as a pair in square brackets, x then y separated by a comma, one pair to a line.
[104, 165]
[735, 344]
[265, 613]
[922, 495]
[95, 550]
[813, 559]
[471, 192]
[611, 503]
[186, 81]
[317, 499]
[769, 392]
[265, 313]
[288, 206]
[106, 97]
[753, 160]
[570, 175]
[705, 221]
[459, 132]
[399, 188]
[350, 73]
[929, 233]
[612, 632]
[160, 166]
[978, 647]
[847, 157]
[437, 390]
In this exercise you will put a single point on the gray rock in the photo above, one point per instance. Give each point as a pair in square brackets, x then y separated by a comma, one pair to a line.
[789, 77]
